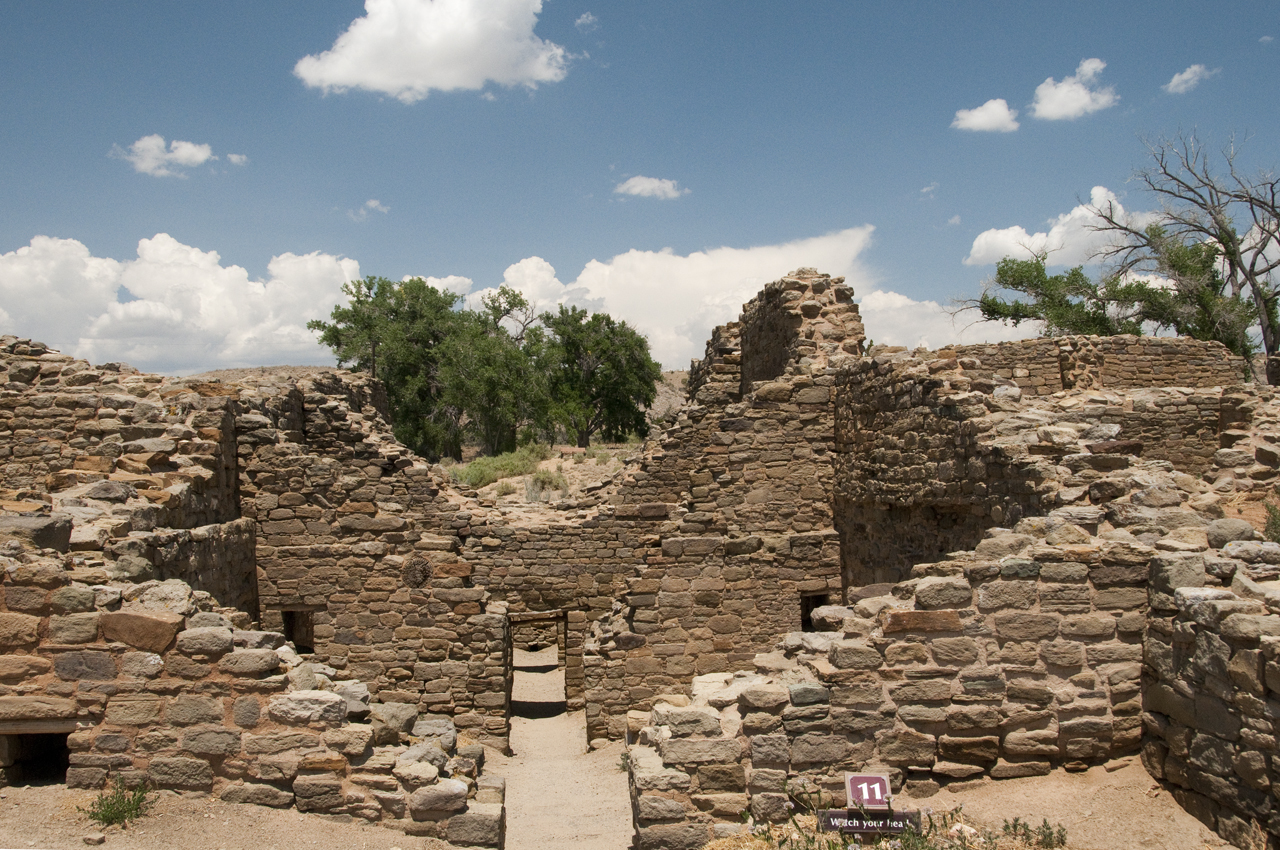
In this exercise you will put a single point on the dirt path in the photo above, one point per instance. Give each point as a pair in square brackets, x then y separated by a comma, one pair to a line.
[559, 796]
[1122, 809]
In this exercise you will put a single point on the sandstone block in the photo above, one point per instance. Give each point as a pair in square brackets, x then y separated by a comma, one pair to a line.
[769, 698]
[151, 631]
[943, 620]
[214, 741]
[854, 655]
[321, 793]
[818, 748]
[71, 600]
[701, 720]
[73, 628]
[940, 592]
[684, 836]
[250, 662]
[259, 795]
[51, 532]
[1023, 626]
[438, 801]
[699, 751]
[18, 630]
[212, 642]
[303, 707]
[191, 709]
[481, 825]
[651, 807]
[134, 709]
[17, 668]
[74, 666]
[36, 708]
[184, 773]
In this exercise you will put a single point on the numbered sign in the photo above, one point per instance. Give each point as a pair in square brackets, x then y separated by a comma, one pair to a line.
[867, 790]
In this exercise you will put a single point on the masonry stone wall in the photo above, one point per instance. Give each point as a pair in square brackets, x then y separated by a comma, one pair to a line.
[1046, 366]
[153, 683]
[1024, 654]
[744, 477]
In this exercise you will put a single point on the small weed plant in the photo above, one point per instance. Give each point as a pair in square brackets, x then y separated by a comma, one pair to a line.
[505, 488]
[624, 762]
[938, 831]
[118, 804]
[1043, 835]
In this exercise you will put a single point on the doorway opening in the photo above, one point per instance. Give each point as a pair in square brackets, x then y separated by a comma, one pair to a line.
[808, 603]
[299, 629]
[40, 759]
[537, 662]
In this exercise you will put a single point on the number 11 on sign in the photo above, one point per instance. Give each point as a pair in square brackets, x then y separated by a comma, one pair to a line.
[867, 790]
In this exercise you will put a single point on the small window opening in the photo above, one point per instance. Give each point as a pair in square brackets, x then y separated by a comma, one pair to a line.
[299, 629]
[808, 602]
[35, 759]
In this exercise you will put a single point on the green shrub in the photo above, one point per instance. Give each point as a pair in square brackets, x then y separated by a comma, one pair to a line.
[505, 488]
[543, 480]
[118, 804]
[486, 470]
[1271, 530]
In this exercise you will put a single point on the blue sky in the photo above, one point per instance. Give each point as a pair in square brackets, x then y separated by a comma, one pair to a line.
[184, 188]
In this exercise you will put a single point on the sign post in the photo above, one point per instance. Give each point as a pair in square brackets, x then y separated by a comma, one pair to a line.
[870, 808]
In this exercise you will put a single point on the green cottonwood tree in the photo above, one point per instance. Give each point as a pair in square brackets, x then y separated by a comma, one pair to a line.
[601, 375]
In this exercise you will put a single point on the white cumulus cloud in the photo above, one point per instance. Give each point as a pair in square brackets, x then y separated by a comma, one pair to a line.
[237, 158]
[587, 22]
[1074, 96]
[1070, 239]
[891, 318]
[1185, 81]
[457, 284]
[188, 312]
[994, 116]
[149, 155]
[675, 300]
[407, 48]
[650, 187]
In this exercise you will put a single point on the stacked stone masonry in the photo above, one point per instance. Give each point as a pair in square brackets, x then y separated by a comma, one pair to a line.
[808, 487]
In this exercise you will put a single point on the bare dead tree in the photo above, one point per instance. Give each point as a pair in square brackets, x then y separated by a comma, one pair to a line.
[1199, 205]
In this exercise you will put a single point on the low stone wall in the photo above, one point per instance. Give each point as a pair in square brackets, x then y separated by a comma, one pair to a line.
[150, 683]
[1046, 366]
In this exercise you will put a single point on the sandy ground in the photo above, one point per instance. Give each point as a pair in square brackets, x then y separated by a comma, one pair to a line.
[47, 818]
[1121, 809]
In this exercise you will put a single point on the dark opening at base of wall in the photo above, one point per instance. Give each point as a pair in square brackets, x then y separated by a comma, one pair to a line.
[808, 602]
[299, 629]
[40, 759]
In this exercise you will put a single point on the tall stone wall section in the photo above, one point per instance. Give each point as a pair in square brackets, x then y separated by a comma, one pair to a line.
[1213, 659]
[360, 537]
[744, 480]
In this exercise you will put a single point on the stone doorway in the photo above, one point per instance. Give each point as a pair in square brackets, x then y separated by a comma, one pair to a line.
[41, 758]
[539, 641]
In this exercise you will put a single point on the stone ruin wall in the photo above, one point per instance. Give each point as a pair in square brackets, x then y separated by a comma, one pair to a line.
[690, 563]
[744, 478]
[1068, 640]
[1047, 366]
[150, 683]
[934, 448]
